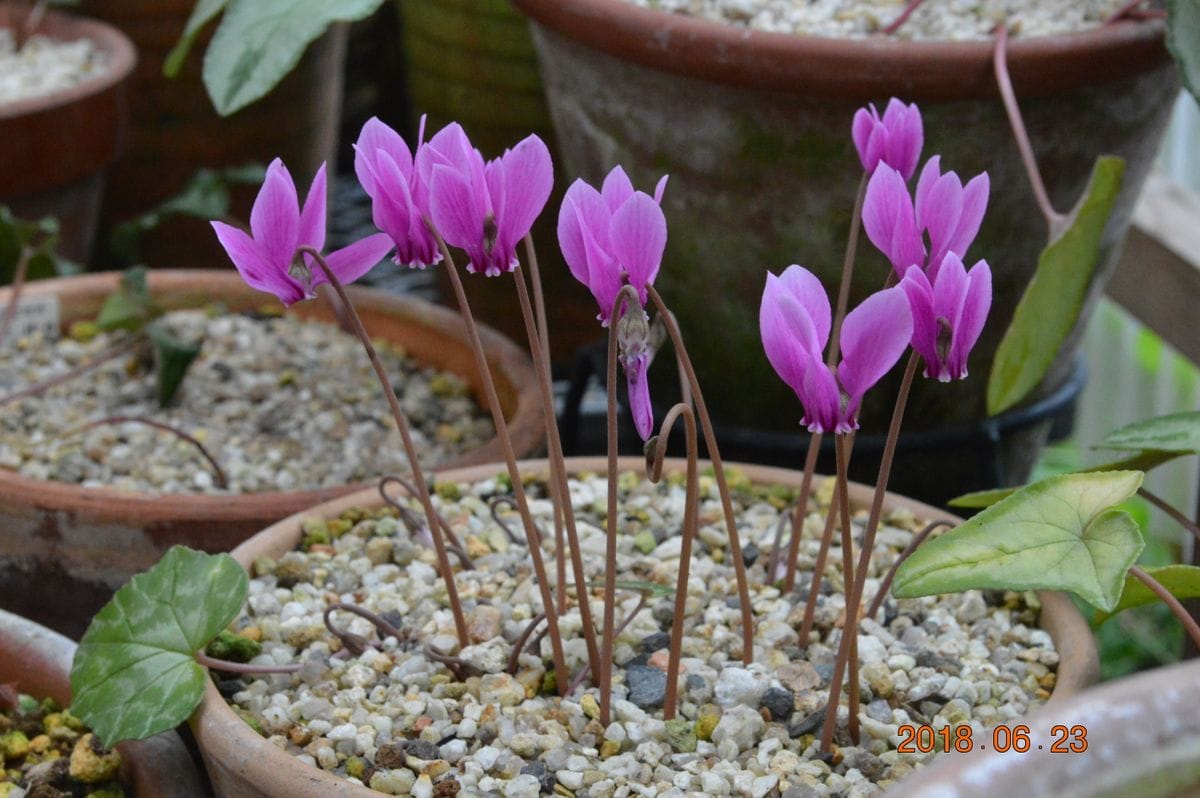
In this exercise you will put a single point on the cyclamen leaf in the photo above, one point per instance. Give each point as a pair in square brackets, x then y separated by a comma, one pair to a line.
[1054, 298]
[1183, 40]
[1178, 433]
[172, 359]
[127, 308]
[1062, 533]
[1182, 581]
[204, 12]
[258, 43]
[134, 673]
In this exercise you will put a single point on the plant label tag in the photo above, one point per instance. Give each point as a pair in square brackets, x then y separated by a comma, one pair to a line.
[34, 315]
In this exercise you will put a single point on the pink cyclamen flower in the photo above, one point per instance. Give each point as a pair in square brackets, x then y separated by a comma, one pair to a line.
[948, 314]
[794, 321]
[267, 258]
[485, 209]
[612, 235]
[399, 198]
[945, 210]
[896, 139]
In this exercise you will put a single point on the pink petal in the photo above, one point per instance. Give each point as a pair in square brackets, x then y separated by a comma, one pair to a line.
[275, 217]
[806, 289]
[457, 210]
[890, 221]
[253, 265]
[312, 216]
[639, 395]
[974, 313]
[570, 232]
[374, 137]
[821, 399]
[874, 335]
[638, 237]
[353, 261]
[604, 278]
[528, 179]
[939, 206]
[392, 208]
[861, 130]
[616, 189]
[785, 352]
[950, 289]
[925, 329]
[974, 205]
[659, 188]
[906, 136]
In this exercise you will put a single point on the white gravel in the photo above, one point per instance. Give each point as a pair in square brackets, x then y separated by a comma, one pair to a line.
[44, 66]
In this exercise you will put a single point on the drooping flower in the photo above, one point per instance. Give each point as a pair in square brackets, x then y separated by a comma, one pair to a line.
[609, 238]
[948, 314]
[267, 258]
[794, 322]
[399, 198]
[485, 209]
[612, 235]
[947, 212]
[895, 140]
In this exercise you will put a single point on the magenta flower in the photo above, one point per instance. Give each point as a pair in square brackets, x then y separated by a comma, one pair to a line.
[895, 140]
[611, 235]
[399, 198]
[794, 321]
[266, 258]
[945, 211]
[485, 209]
[948, 315]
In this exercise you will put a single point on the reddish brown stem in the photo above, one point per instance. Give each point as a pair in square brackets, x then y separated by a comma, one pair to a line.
[461, 669]
[1130, 10]
[895, 24]
[691, 510]
[801, 512]
[850, 625]
[850, 633]
[1176, 516]
[494, 508]
[410, 450]
[356, 644]
[1164, 595]
[628, 619]
[886, 584]
[410, 520]
[14, 296]
[514, 656]
[215, 664]
[714, 454]
[218, 472]
[1055, 221]
[818, 575]
[561, 674]
[116, 350]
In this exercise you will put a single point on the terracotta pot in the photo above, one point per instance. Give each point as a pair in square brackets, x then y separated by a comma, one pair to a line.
[1142, 738]
[754, 129]
[241, 764]
[57, 147]
[89, 541]
[176, 131]
[38, 661]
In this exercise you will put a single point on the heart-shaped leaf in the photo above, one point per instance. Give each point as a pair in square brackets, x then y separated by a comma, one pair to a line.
[127, 308]
[1178, 433]
[1058, 534]
[172, 358]
[1182, 581]
[134, 673]
[1052, 301]
[1183, 40]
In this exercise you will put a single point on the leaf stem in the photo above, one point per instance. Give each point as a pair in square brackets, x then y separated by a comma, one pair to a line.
[1176, 516]
[561, 674]
[714, 454]
[514, 655]
[691, 511]
[886, 584]
[218, 472]
[14, 296]
[1185, 618]
[212, 663]
[410, 450]
[1055, 221]
[628, 619]
[410, 520]
[895, 24]
[356, 644]
[814, 585]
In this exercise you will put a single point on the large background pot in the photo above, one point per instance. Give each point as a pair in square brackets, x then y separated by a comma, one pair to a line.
[55, 149]
[176, 131]
[754, 129]
[38, 662]
[85, 542]
[242, 764]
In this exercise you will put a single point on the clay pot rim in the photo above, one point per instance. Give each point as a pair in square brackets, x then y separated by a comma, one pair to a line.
[225, 738]
[505, 359]
[60, 25]
[143, 760]
[867, 69]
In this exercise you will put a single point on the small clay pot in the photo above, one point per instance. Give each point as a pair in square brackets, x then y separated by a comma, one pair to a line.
[241, 764]
[38, 661]
[89, 541]
[55, 149]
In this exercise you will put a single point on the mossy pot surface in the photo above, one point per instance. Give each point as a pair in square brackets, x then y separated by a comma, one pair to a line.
[242, 764]
[90, 540]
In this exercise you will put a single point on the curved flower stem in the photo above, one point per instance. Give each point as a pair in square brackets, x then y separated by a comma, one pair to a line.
[410, 451]
[1055, 221]
[218, 472]
[116, 350]
[515, 654]
[895, 24]
[461, 669]
[835, 334]
[554, 455]
[691, 509]
[1164, 595]
[14, 296]
[886, 584]
[1176, 516]
[356, 644]
[854, 601]
[626, 298]
[409, 519]
[1130, 10]
[494, 508]
[561, 674]
[714, 454]
[628, 619]
[213, 663]
[558, 478]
